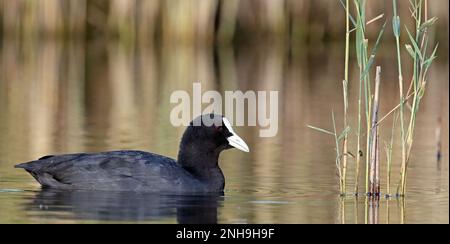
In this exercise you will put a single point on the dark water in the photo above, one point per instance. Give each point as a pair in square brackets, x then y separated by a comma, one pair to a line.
[75, 97]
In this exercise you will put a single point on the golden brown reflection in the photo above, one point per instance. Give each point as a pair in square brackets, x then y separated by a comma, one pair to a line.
[58, 97]
[375, 211]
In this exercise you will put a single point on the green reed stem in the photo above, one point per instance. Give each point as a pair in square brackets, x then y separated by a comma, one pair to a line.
[397, 32]
[360, 53]
[345, 91]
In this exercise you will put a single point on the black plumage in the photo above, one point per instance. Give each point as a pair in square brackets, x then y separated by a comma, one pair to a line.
[197, 168]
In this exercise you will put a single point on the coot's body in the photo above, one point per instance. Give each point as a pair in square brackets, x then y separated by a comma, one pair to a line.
[117, 170]
[196, 170]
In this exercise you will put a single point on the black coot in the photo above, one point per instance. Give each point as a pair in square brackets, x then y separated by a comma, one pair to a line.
[197, 168]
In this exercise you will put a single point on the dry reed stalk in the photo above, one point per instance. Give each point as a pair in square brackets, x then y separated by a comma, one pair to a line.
[374, 179]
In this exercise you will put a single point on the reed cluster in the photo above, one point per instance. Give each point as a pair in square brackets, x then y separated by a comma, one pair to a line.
[423, 53]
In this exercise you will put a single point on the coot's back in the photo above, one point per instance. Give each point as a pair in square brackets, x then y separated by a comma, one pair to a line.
[113, 171]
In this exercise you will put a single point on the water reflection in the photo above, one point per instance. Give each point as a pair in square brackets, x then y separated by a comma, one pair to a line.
[377, 210]
[123, 206]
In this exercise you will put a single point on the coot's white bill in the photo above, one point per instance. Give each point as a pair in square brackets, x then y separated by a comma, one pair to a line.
[235, 140]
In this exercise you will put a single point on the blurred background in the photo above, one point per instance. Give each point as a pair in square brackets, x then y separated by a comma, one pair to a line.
[192, 21]
[97, 75]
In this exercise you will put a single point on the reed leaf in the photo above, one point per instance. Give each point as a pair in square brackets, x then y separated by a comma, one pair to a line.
[410, 50]
[344, 133]
[374, 51]
[427, 24]
[430, 60]
[321, 130]
[350, 16]
[414, 44]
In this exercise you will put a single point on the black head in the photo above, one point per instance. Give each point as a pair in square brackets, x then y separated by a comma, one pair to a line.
[213, 133]
[202, 142]
[207, 136]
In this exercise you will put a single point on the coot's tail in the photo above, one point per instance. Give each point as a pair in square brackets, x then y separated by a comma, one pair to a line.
[25, 166]
[36, 169]
[35, 164]
[30, 168]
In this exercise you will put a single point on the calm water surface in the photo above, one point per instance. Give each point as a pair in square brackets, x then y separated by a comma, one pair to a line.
[87, 97]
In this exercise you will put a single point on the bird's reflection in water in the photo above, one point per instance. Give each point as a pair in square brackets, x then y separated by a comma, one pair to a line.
[126, 206]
